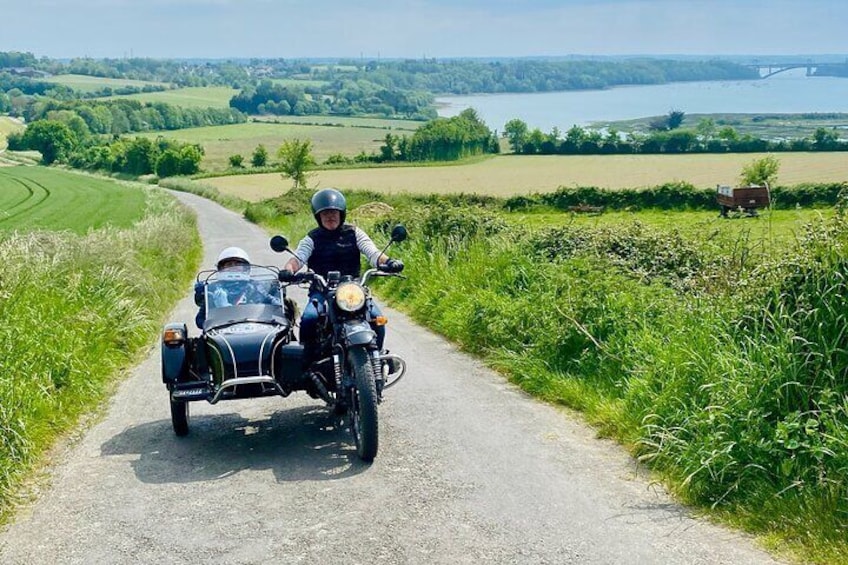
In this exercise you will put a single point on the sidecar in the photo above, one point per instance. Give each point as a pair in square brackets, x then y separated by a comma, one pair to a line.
[245, 348]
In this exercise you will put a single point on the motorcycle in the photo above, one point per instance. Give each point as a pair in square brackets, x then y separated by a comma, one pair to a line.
[348, 370]
[247, 348]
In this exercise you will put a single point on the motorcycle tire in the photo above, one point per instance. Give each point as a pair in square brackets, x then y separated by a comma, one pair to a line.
[179, 417]
[363, 405]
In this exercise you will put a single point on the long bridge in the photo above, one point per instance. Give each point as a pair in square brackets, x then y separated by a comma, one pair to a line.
[770, 69]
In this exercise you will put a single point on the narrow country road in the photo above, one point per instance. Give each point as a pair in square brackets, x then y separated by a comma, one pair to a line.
[470, 470]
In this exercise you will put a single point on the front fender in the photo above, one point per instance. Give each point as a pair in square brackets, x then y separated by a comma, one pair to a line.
[358, 332]
[174, 358]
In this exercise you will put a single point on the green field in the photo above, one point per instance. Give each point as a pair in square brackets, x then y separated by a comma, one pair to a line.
[41, 198]
[347, 121]
[219, 142]
[508, 175]
[86, 83]
[193, 97]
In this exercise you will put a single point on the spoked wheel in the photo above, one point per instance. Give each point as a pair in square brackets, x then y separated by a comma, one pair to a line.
[179, 417]
[363, 405]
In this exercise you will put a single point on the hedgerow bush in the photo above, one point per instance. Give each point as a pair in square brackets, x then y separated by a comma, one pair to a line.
[671, 196]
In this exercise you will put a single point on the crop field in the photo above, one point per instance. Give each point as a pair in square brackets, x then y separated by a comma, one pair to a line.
[90, 84]
[192, 97]
[509, 175]
[42, 198]
[219, 142]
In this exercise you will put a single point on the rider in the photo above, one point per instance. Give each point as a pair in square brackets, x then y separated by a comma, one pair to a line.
[231, 261]
[334, 246]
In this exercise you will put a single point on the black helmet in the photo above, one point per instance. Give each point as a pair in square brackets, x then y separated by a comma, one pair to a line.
[328, 199]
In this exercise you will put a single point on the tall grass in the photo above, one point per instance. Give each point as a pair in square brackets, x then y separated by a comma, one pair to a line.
[728, 377]
[722, 364]
[75, 309]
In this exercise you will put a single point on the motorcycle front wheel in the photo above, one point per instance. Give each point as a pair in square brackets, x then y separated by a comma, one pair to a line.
[363, 405]
[179, 417]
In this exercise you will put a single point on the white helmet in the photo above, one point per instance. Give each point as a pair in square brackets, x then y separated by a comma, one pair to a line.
[232, 254]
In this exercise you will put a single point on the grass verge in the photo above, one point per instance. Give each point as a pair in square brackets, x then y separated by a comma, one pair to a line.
[76, 309]
[720, 364]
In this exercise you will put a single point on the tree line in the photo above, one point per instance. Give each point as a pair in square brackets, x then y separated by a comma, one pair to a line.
[59, 143]
[341, 97]
[706, 137]
[463, 76]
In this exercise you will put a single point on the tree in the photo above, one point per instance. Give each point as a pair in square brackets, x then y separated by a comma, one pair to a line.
[141, 156]
[168, 163]
[706, 129]
[190, 156]
[670, 121]
[260, 156]
[760, 171]
[675, 118]
[236, 161]
[516, 132]
[53, 139]
[295, 160]
[388, 151]
[825, 139]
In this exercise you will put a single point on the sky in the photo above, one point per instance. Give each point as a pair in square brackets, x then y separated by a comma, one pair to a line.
[371, 29]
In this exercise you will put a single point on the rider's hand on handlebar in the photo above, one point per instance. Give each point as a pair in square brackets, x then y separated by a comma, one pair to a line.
[392, 266]
[286, 276]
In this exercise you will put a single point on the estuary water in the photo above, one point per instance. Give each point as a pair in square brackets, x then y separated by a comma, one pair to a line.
[790, 92]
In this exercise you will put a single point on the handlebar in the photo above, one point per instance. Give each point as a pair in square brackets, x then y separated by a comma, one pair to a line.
[311, 276]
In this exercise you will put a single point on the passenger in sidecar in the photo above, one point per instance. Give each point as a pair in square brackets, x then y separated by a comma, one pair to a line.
[245, 347]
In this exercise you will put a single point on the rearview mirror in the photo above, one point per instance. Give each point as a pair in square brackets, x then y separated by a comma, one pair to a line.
[279, 243]
[399, 233]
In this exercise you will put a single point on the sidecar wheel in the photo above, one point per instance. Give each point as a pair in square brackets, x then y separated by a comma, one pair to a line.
[179, 417]
[363, 406]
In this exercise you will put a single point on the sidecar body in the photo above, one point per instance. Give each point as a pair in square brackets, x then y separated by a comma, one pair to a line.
[245, 349]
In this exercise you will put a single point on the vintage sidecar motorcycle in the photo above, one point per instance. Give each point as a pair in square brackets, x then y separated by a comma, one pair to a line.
[247, 348]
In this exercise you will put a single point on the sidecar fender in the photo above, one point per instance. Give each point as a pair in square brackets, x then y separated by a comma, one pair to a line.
[358, 333]
[174, 358]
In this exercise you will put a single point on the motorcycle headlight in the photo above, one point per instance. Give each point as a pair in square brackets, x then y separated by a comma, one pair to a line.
[350, 297]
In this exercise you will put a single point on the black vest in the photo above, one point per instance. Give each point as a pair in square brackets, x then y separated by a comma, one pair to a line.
[334, 251]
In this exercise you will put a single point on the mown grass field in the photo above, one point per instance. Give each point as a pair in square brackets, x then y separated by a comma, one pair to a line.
[347, 121]
[40, 198]
[219, 142]
[86, 83]
[508, 175]
[192, 97]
